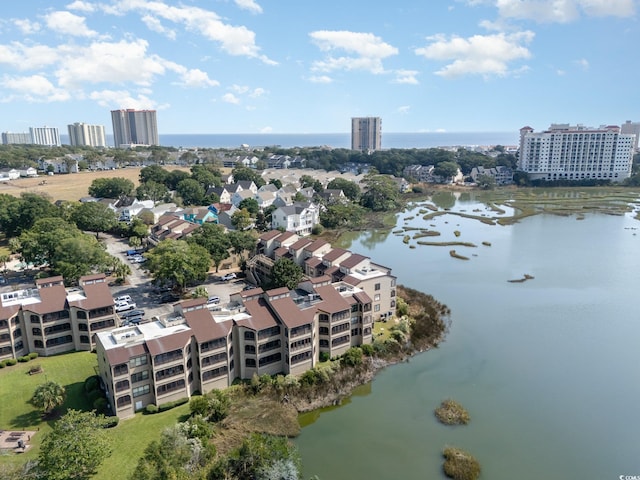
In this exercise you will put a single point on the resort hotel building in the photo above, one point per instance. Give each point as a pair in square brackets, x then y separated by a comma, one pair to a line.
[134, 127]
[573, 153]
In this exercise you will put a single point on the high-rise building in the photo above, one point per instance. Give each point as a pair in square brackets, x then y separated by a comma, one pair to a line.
[45, 136]
[134, 127]
[9, 138]
[631, 127]
[82, 134]
[573, 153]
[366, 133]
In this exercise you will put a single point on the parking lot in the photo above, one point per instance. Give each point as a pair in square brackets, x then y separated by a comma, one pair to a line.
[155, 301]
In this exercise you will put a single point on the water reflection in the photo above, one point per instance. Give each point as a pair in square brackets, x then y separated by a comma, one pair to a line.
[307, 418]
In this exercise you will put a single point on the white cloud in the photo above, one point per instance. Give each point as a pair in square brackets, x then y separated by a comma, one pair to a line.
[250, 5]
[154, 25]
[234, 40]
[487, 55]
[266, 130]
[365, 51]
[26, 26]
[320, 79]
[67, 23]
[26, 57]
[241, 89]
[81, 6]
[34, 88]
[196, 78]
[560, 11]
[257, 92]
[406, 77]
[230, 98]
[122, 99]
[582, 63]
[113, 62]
[404, 109]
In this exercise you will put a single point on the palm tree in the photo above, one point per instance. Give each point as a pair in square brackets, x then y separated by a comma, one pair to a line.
[48, 396]
[122, 270]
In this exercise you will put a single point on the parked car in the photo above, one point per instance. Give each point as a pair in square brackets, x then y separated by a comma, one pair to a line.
[169, 297]
[227, 277]
[136, 312]
[213, 300]
[249, 287]
[124, 306]
[123, 298]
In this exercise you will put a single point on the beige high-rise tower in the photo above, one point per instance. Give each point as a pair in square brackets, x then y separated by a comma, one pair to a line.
[366, 134]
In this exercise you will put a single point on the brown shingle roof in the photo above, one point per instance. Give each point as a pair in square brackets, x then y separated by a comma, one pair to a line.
[204, 326]
[270, 235]
[313, 261]
[122, 354]
[332, 301]
[316, 245]
[335, 254]
[353, 260]
[362, 297]
[277, 291]
[53, 299]
[351, 280]
[300, 244]
[290, 314]
[168, 343]
[261, 316]
[97, 295]
[284, 236]
[193, 302]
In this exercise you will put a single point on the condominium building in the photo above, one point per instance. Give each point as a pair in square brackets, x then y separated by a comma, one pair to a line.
[45, 136]
[366, 134]
[134, 127]
[51, 319]
[9, 138]
[83, 134]
[630, 127]
[197, 350]
[573, 153]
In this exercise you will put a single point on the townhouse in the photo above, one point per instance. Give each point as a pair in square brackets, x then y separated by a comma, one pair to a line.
[50, 319]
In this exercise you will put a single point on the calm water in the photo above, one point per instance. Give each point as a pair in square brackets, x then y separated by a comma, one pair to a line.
[549, 369]
[336, 140]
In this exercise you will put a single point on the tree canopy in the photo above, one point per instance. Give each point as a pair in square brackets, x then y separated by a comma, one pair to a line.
[214, 239]
[178, 263]
[75, 447]
[48, 396]
[94, 217]
[191, 192]
[113, 187]
[285, 273]
[381, 193]
[350, 189]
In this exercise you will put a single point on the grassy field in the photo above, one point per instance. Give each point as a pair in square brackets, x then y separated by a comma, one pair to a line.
[72, 186]
[128, 439]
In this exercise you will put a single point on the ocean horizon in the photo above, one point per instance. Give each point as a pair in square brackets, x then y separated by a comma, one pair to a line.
[335, 140]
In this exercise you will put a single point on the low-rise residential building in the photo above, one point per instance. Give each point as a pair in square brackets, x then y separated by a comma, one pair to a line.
[299, 218]
[501, 174]
[50, 319]
[197, 350]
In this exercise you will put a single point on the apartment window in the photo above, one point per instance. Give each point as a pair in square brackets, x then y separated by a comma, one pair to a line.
[57, 328]
[215, 373]
[251, 349]
[377, 287]
[83, 327]
[212, 344]
[250, 362]
[249, 335]
[170, 387]
[120, 370]
[269, 346]
[137, 361]
[123, 401]
[376, 297]
[53, 342]
[213, 359]
[323, 317]
[376, 308]
[139, 376]
[167, 357]
[84, 339]
[169, 372]
[34, 318]
[276, 357]
[36, 332]
[122, 385]
[17, 333]
[142, 390]
[81, 314]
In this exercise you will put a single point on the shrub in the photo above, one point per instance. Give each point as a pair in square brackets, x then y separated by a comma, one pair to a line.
[324, 357]
[352, 357]
[100, 404]
[219, 405]
[33, 355]
[460, 465]
[316, 230]
[92, 383]
[151, 408]
[94, 395]
[10, 362]
[367, 350]
[199, 405]
[110, 422]
[2, 365]
[24, 359]
[169, 405]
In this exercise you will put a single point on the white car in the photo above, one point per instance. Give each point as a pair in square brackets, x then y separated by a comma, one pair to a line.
[227, 277]
[123, 299]
[124, 306]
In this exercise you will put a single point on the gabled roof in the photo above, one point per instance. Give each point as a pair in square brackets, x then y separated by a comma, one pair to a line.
[205, 327]
[353, 260]
[122, 354]
[290, 314]
[301, 244]
[332, 301]
[168, 343]
[334, 254]
[270, 235]
[261, 317]
[316, 245]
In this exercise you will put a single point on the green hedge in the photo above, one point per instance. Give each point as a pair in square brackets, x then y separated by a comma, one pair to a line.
[33, 355]
[24, 359]
[169, 405]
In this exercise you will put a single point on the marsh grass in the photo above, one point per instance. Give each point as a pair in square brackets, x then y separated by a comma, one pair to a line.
[451, 412]
[459, 464]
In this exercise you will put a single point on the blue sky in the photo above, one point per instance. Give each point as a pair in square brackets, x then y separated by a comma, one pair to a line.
[305, 66]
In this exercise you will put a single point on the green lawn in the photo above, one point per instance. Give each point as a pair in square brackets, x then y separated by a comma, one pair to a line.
[128, 439]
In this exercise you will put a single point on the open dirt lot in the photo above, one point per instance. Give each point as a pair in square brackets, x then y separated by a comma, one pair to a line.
[71, 186]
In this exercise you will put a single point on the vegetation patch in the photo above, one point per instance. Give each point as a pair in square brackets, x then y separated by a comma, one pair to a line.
[460, 465]
[426, 233]
[486, 244]
[523, 279]
[454, 254]
[451, 412]
[447, 244]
